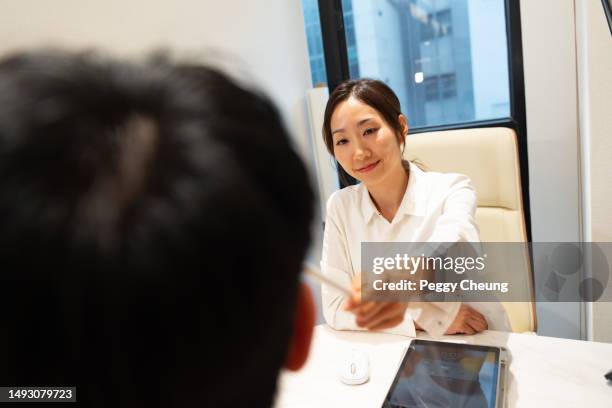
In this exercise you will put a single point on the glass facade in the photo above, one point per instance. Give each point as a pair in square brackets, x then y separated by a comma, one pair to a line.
[315, 41]
[447, 60]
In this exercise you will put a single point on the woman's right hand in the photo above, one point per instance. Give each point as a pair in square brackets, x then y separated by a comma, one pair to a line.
[374, 315]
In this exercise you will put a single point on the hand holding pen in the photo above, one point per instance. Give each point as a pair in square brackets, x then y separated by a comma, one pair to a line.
[372, 315]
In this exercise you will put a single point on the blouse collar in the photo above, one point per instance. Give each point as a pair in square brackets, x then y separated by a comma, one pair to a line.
[414, 201]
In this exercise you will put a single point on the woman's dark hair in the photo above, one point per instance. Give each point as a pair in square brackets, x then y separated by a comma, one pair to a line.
[153, 223]
[373, 93]
[369, 91]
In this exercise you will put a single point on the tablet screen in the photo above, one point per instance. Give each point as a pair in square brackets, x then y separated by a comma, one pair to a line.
[436, 374]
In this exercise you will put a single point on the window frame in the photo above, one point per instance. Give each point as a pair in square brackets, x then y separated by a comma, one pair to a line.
[336, 64]
[608, 10]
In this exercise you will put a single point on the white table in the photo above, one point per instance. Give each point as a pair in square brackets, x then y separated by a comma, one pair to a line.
[543, 371]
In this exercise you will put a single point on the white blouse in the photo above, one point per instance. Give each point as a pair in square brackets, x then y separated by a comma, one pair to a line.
[436, 207]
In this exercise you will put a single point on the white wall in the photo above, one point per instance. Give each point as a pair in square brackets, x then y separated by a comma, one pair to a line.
[269, 42]
[549, 60]
[264, 39]
[595, 90]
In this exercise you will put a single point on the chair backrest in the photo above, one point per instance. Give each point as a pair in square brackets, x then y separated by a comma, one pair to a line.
[489, 156]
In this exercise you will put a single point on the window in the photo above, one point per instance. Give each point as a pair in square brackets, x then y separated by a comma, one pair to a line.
[315, 42]
[450, 53]
[607, 4]
[440, 87]
[444, 23]
[458, 47]
[447, 83]
[351, 43]
[452, 63]
[437, 24]
[431, 89]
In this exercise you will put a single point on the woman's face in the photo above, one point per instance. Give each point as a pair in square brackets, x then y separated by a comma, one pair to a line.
[364, 144]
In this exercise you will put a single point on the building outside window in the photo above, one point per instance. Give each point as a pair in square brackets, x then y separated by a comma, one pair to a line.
[447, 60]
[315, 42]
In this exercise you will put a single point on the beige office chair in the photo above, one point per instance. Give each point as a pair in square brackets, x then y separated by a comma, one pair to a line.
[489, 156]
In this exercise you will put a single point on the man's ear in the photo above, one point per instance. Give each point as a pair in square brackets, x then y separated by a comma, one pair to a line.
[303, 326]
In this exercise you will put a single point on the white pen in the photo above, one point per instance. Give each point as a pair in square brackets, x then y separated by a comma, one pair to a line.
[315, 272]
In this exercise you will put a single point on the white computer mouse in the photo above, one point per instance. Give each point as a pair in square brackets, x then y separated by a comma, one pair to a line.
[354, 368]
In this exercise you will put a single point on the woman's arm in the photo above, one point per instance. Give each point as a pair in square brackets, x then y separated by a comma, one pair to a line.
[457, 221]
[434, 317]
[456, 224]
[336, 265]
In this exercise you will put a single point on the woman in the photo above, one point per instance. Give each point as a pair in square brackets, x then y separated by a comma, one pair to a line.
[365, 131]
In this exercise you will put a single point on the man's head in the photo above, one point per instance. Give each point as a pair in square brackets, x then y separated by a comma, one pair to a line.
[153, 224]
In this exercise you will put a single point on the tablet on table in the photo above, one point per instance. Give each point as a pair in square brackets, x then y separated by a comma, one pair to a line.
[440, 374]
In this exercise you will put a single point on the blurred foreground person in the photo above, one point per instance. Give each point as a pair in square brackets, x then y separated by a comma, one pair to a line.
[153, 225]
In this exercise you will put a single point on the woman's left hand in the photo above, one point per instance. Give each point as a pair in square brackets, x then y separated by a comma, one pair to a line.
[468, 321]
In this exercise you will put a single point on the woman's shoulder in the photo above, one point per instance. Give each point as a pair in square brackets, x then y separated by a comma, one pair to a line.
[440, 181]
[344, 199]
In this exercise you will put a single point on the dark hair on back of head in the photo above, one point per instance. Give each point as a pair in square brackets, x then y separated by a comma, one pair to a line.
[151, 246]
